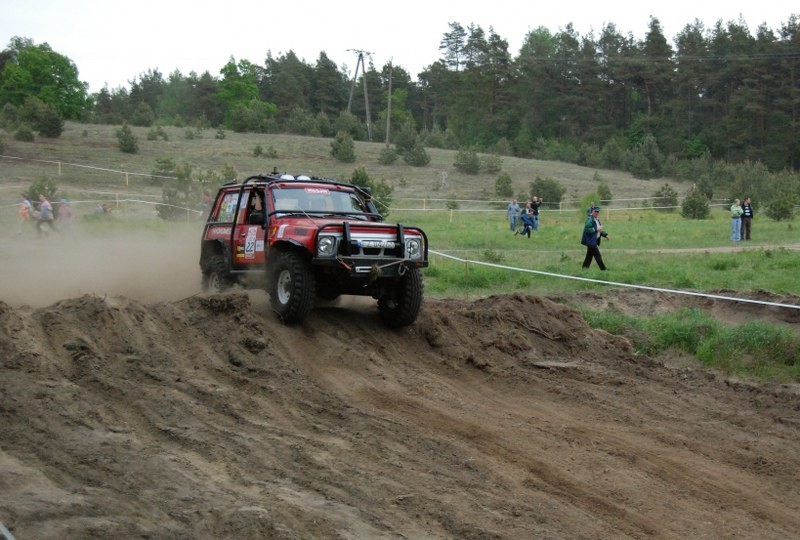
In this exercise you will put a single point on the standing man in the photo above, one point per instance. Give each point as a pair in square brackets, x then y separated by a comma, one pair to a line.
[736, 221]
[512, 212]
[747, 218]
[535, 204]
[592, 233]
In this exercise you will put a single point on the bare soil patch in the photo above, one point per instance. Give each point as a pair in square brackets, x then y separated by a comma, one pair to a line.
[136, 407]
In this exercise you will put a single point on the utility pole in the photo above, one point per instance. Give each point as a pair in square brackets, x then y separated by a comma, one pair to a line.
[360, 61]
[389, 106]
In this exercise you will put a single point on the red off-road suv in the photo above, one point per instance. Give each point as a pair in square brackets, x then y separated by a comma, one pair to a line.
[300, 238]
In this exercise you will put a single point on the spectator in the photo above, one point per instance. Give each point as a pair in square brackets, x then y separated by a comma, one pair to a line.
[736, 221]
[512, 212]
[590, 209]
[527, 220]
[64, 218]
[45, 215]
[536, 202]
[25, 211]
[592, 234]
[747, 219]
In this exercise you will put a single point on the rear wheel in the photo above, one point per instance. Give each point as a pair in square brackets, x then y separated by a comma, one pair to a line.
[292, 287]
[400, 307]
[216, 277]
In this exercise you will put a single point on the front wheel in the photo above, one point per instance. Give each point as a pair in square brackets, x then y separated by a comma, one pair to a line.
[401, 305]
[291, 287]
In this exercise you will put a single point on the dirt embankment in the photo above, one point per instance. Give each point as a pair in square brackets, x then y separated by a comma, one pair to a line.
[502, 418]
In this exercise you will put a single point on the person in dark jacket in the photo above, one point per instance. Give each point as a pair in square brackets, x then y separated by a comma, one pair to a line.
[592, 233]
[527, 221]
[747, 218]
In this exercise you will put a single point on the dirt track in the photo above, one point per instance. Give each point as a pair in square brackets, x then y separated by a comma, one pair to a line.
[204, 417]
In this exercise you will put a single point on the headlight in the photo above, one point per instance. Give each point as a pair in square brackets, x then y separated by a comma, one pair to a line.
[326, 246]
[413, 248]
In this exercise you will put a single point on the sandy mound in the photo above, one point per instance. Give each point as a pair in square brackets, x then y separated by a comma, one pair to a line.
[507, 417]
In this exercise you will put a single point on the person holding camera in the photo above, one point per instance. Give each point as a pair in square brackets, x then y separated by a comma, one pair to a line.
[592, 233]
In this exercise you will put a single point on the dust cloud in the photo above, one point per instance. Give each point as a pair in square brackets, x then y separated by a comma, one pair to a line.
[143, 265]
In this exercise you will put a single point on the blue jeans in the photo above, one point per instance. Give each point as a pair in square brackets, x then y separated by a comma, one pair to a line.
[736, 231]
[535, 222]
[512, 222]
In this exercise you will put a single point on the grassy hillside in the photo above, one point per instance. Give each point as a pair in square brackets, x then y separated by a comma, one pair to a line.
[96, 145]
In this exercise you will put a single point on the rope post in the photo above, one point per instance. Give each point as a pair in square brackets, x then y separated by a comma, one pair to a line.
[466, 273]
[451, 215]
[59, 168]
[126, 179]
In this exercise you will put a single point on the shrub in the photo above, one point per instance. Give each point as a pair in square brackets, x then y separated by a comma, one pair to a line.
[128, 142]
[24, 133]
[417, 156]
[193, 133]
[548, 189]
[301, 122]
[603, 190]
[695, 205]
[254, 116]
[781, 209]
[220, 133]
[49, 123]
[270, 151]
[179, 193]
[613, 154]
[143, 115]
[388, 156]
[9, 117]
[343, 148]
[405, 139]
[165, 166]
[491, 164]
[350, 124]
[2, 145]
[467, 161]
[45, 186]
[229, 172]
[502, 147]
[503, 185]
[157, 133]
[666, 196]
[380, 189]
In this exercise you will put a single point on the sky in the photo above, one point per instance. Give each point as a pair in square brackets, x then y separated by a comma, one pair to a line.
[113, 42]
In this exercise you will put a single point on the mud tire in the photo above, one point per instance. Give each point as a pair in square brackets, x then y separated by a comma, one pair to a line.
[401, 306]
[216, 276]
[291, 291]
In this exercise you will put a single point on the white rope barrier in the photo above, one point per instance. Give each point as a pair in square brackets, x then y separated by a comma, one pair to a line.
[618, 284]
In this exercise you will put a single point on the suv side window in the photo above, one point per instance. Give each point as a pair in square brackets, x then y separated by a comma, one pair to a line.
[227, 207]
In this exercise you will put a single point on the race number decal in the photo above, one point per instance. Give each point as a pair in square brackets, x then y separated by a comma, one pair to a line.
[250, 243]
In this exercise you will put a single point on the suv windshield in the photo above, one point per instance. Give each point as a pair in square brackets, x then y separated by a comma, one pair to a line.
[317, 199]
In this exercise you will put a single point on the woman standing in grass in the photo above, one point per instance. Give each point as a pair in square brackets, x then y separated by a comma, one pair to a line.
[736, 221]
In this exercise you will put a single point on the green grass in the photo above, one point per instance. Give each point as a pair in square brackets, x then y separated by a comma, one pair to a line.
[752, 349]
[646, 248]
